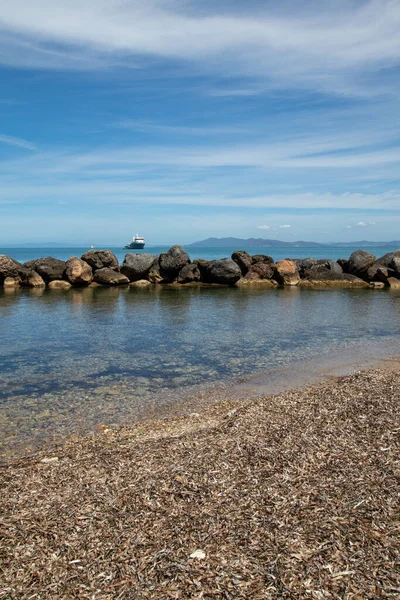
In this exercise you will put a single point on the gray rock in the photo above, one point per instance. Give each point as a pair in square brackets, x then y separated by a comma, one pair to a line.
[172, 261]
[359, 263]
[382, 262]
[99, 259]
[243, 259]
[49, 268]
[137, 266]
[326, 270]
[395, 262]
[108, 276]
[224, 271]
[303, 264]
[78, 272]
[189, 274]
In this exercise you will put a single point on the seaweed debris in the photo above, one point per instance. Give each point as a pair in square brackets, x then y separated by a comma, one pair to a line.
[290, 496]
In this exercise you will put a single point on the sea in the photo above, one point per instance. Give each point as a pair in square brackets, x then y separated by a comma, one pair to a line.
[209, 253]
[72, 362]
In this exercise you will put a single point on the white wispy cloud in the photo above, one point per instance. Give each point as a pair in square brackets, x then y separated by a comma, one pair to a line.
[284, 226]
[332, 46]
[264, 227]
[15, 141]
[148, 126]
[361, 224]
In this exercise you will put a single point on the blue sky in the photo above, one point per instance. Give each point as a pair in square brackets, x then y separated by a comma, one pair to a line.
[181, 119]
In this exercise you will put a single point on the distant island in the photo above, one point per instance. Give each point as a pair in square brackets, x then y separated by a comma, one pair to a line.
[263, 243]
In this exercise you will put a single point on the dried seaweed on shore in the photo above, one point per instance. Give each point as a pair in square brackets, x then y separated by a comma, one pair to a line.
[291, 496]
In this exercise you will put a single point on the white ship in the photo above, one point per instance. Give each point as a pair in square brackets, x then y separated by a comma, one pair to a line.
[137, 243]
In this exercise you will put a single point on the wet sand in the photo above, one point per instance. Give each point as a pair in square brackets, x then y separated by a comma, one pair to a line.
[291, 495]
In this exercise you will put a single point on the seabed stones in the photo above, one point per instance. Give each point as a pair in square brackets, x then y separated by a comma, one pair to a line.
[98, 268]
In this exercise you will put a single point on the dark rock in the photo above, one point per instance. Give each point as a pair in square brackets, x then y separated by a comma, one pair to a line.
[108, 276]
[262, 258]
[49, 268]
[243, 259]
[99, 259]
[172, 261]
[224, 271]
[286, 273]
[78, 272]
[383, 274]
[344, 263]
[189, 273]
[359, 263]
[154, 275]
[260, 271]
[137, 266]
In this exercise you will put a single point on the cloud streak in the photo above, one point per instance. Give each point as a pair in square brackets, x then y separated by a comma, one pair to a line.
[337, 47]
[15, 141]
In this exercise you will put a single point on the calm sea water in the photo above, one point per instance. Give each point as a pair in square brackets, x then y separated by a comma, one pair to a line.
[25, 254]
[71, 361]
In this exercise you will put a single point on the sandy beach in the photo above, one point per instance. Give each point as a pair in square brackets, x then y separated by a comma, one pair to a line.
[290, 496]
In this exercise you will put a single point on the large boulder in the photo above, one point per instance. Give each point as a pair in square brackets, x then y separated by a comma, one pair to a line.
[8, 267]
[243, 259]
[100, 259]
[359, 263]
[108, 276]
[286, 273]
[344, 263]
[49, 268]
[262, 258]
[11, 282]
[305, 263]
[59, 284]
[224, 271]
[260, 271]
[137, 266]
[189, 274]
[172, 261]
[78, 272]
[325, 270]
[395, 262]
[383, 274]
[384, 262]
[322, 274]
[394, 283]
[154, 275]
[31, 279]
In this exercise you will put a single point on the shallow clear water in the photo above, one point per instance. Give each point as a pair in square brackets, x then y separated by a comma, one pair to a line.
[331, 252]
[71, 361]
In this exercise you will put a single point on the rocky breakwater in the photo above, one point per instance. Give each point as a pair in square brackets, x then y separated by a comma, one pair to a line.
[101, 268]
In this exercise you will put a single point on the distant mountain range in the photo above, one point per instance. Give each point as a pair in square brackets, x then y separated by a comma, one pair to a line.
[262, 243]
